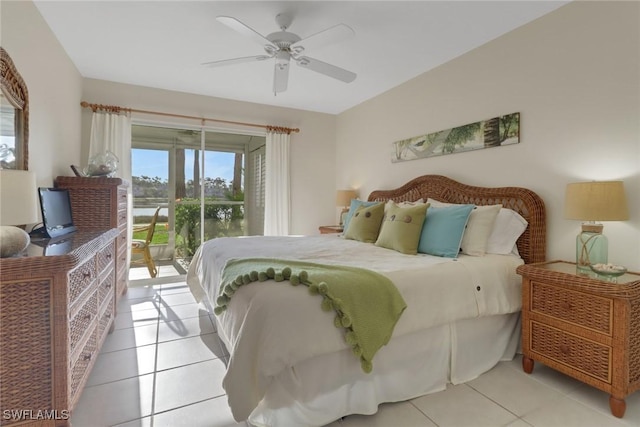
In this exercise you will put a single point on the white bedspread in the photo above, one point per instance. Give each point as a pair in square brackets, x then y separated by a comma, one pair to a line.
[271, 326]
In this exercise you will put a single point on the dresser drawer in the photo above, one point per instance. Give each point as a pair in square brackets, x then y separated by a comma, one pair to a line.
[106, 287]
[104, 258]
[81, 279]
[105, 320]
[122, 198]
[121, 218]
[80, 366]
[586, 310]
[83, 322]
[121, 242]
[584, 355]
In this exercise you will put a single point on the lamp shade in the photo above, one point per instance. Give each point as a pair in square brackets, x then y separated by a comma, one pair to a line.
[596, 201]
[18, 201]
[343, 197]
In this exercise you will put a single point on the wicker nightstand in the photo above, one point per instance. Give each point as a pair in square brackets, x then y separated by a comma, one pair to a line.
[583, 326]
[328, 229]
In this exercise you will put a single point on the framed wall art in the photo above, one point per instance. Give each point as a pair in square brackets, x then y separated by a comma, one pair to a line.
[494, 132]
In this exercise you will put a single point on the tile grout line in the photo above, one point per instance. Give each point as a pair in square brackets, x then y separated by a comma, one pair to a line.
[495, 402]
[155, 370]
[423, 413]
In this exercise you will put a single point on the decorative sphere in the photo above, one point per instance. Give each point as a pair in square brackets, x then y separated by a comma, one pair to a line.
[13, 240]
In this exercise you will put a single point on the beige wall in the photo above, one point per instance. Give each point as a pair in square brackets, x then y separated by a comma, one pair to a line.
[312, 150]
[54, 86]
[573, 75]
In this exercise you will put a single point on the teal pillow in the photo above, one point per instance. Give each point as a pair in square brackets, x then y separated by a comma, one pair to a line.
[443, 230]
[365, 224]
[355, 204]
[401, 227]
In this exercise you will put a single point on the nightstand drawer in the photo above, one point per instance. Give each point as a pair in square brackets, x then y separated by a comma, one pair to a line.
[579, 308]
[577, 353]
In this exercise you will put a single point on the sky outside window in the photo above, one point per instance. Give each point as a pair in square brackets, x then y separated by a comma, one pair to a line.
[153, 163]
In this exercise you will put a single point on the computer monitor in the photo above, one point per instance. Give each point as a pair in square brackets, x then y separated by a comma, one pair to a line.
[57, 218]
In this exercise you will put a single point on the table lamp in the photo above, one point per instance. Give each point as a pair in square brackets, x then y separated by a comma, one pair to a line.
[594, 201]
[18, 206]
[343, 200]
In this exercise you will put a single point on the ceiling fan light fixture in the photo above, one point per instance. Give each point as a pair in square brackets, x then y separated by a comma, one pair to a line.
[282, 59]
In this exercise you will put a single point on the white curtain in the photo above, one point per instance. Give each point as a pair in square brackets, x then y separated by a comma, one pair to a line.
[112, 132]
[277, 208]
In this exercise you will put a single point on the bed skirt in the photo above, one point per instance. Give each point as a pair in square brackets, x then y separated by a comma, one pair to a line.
[320, 390]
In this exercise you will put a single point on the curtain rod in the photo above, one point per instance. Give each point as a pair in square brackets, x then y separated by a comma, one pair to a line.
[116, 109]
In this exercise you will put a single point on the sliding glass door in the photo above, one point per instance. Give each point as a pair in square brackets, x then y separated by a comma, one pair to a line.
[200, 184]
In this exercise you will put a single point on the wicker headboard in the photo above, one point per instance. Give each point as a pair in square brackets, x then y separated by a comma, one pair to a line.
[532, 243]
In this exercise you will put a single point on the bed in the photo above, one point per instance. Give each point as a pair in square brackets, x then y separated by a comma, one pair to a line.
[290, 366]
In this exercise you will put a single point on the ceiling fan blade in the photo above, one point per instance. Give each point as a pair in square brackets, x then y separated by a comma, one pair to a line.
[326, 69]
[333, 34]
[236, 60]
[280, 77]
[246, 31]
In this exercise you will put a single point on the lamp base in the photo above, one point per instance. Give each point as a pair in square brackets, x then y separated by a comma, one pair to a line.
[343, 215]
[592, 247]
[13, 240]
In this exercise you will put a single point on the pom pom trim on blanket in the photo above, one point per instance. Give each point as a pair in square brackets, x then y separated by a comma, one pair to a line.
[349, 316]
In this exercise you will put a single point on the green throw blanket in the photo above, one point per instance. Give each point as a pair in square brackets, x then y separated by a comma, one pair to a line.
[367, 304]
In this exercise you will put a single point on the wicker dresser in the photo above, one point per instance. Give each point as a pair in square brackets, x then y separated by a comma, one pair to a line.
[98, 204]
[56, 308]
[585, 326]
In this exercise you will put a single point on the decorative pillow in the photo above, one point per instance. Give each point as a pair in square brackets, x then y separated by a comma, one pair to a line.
[402, 204]
[355, 204]
[443, 230]
[401, 227]
[407, 204]
[365, 223]
[508, 227]
[479, 226]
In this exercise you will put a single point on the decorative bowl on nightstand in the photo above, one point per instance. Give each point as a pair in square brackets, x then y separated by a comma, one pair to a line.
[609, 270]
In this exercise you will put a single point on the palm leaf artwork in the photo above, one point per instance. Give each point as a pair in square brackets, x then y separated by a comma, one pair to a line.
[494, 132]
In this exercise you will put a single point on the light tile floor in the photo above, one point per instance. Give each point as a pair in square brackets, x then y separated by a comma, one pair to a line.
[163, 366]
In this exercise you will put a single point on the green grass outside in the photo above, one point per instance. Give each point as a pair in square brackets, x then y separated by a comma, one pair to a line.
[160, 236]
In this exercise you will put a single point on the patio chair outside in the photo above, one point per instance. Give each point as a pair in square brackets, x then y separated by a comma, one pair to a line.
[142, 246]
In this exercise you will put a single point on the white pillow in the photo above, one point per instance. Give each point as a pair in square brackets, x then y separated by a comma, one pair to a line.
[479, 227]
[508, 227]
[403, 204]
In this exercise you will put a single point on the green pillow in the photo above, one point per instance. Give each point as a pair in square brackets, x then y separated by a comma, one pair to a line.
[401, 228]
[355, 204]
[365, 223]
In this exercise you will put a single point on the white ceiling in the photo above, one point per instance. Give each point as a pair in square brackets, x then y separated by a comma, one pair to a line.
[161, 44]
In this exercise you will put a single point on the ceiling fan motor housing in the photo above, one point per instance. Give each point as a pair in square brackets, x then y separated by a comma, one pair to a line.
[283, 39]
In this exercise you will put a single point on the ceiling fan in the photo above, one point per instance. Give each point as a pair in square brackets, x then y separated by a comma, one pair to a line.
[285, 46]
